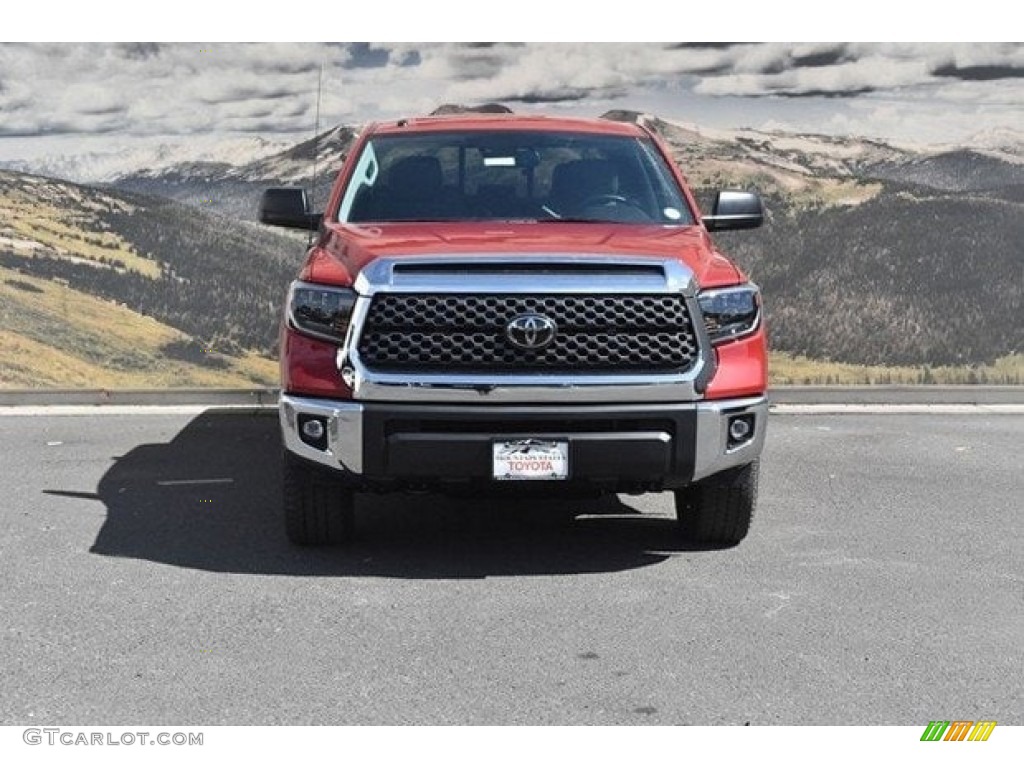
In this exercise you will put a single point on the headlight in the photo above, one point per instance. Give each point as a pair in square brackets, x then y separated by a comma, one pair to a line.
[320, 310]
[730, 313]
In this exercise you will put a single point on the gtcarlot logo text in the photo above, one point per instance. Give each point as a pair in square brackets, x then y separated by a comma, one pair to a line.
[69, 738]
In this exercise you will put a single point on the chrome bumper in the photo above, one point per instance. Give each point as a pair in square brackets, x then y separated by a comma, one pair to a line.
[344, 431]
[712, 453]
[345, 443]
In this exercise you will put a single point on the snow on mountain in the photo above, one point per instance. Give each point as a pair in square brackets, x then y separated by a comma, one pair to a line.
[227, 176]
[1004, 143]
[813, 154]
[294, 165]
[233, 189]
[835, 169]
[104, 167]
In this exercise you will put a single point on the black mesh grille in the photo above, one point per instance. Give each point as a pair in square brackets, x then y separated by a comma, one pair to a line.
[466, 333]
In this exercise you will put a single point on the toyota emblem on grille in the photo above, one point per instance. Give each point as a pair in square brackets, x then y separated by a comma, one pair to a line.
[531, 331]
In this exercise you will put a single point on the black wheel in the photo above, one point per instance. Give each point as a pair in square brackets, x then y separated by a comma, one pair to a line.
[318, 509]
[718, 509]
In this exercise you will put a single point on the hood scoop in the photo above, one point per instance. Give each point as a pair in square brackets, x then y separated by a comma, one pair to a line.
[548, 273]
[540, 268]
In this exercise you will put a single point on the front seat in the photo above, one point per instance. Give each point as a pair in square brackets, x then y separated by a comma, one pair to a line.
[414, 186]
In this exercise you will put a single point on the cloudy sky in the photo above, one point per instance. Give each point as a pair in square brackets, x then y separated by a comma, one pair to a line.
[90, 96]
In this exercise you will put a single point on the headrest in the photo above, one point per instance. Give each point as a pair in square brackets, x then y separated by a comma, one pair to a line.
[419, 172]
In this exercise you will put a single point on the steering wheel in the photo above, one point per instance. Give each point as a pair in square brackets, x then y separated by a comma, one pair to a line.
[603, 199]
[610, 198]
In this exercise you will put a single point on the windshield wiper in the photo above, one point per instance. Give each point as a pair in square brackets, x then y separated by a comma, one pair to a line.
[577, 220]
[558, 217]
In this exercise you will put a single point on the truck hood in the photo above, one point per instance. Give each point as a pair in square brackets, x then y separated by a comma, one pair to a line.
[343, 250]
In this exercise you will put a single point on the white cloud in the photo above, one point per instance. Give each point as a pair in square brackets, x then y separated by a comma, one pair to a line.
[198, 88]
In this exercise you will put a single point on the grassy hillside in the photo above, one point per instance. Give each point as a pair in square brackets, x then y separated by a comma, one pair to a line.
[101, 288]
[54, 336]
[904, 279]
[785, 369]
[42, 216]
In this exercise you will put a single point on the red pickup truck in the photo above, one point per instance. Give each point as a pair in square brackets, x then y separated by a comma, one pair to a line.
[501, 303]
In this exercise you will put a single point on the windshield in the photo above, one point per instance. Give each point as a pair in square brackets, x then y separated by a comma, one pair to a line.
[512, 176]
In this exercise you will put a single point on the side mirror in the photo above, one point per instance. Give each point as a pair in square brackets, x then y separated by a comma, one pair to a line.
[735, 210]
[288, 207]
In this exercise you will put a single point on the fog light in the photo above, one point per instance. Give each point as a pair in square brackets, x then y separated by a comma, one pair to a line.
[741, 428]
[313, 431]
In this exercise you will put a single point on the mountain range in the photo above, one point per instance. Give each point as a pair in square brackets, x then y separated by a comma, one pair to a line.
[109, 165]
[873, 254]
[106, 288]
[234, 189]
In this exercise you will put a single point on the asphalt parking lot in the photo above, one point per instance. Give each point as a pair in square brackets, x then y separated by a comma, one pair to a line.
[882, 583]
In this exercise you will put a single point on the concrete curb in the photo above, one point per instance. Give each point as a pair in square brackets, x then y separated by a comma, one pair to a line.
[796, 395]
[898, 395]
[894, 409]
[270, 411]
[197, 396]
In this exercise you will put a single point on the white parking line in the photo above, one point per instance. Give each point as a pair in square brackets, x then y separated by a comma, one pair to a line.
[123, 410]
[782, 408]
[963, 409]
[206, 481]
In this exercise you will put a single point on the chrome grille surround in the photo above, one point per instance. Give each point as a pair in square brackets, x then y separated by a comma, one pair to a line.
[467, 332]
[611, 288]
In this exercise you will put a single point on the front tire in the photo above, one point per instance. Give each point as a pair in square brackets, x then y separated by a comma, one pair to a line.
[718, 510]
[318, 510]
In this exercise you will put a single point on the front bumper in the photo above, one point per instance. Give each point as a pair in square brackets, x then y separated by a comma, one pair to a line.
[612, 447]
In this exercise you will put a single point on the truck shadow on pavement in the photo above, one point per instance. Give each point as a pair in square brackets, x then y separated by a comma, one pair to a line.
[230, 520]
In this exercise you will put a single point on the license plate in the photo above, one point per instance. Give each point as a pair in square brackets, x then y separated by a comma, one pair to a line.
[531, 459]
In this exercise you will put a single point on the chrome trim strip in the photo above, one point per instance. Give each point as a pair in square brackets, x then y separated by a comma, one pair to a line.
[711, 454]
[381, 276]
[440, 388]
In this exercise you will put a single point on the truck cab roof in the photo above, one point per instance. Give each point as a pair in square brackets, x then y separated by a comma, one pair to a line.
[506, 122]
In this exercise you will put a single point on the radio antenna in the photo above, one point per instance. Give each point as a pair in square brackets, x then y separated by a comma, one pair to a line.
[316, 148]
